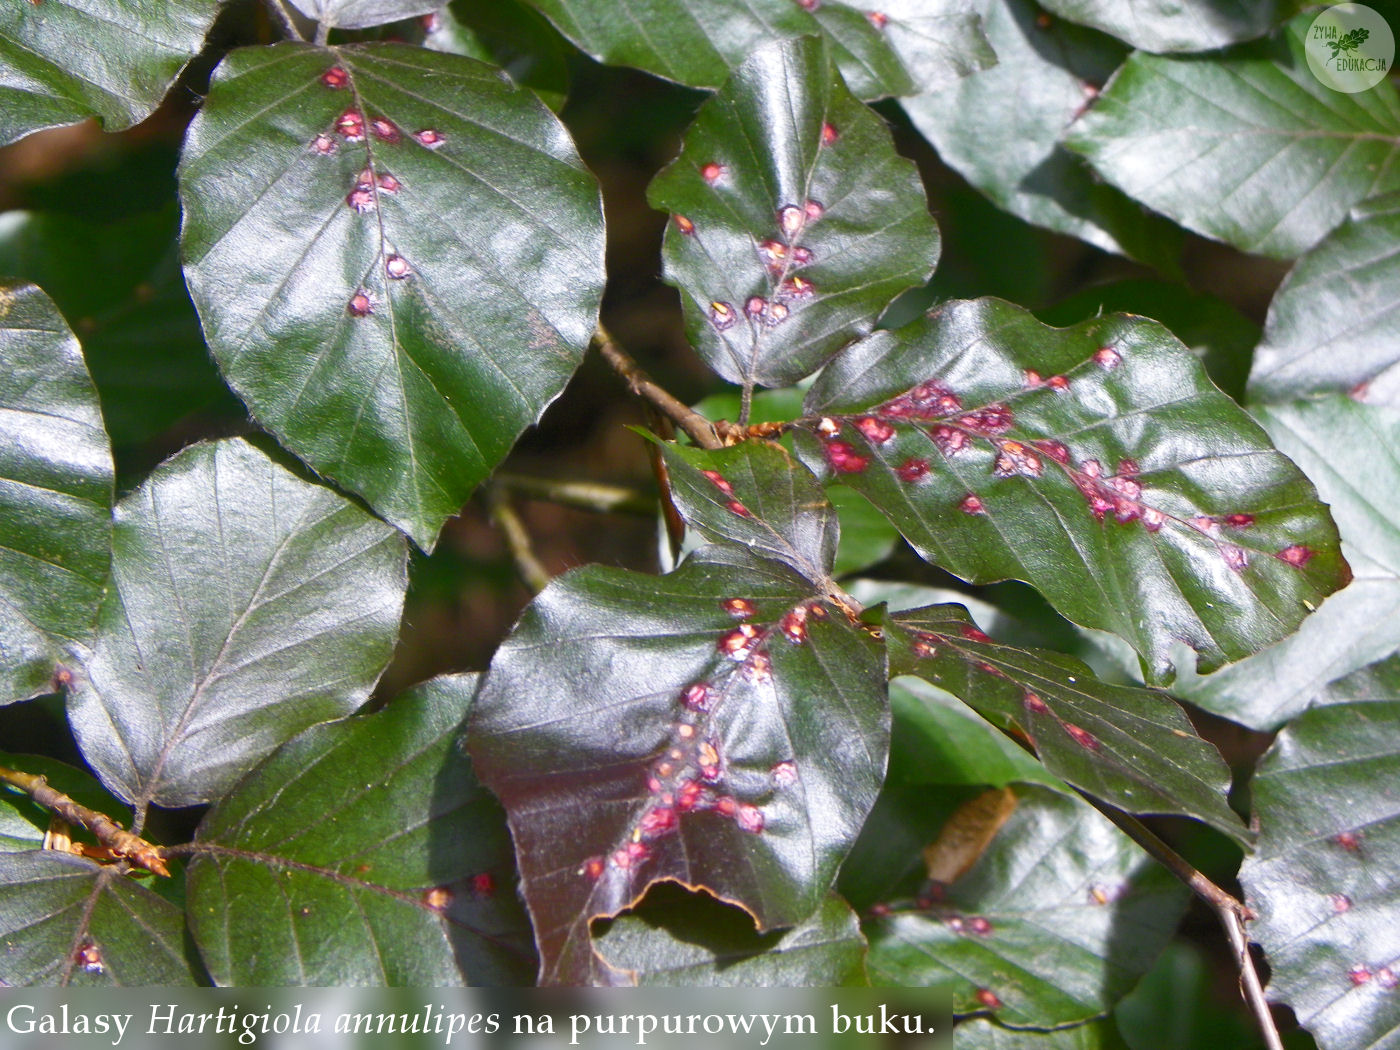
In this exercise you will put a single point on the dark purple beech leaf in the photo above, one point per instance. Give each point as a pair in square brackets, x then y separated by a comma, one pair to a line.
[362, 851]
[1000, 129]
[756, 495]
[64, 60]
[1247, 146]
[1133, 748]
[703, 943]
[794, 222]
[1097, 463]
[428, 262]
[895, 47]
[1323, 877]
[1053, 924]
[507, 33]
[66, 920]
[245, 605]
[55, 495]
[723, 726]
[361, 14]
[1173, 25]
[1334, 323]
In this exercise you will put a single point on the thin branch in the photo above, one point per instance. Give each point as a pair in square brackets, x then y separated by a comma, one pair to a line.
[1231, 912]
[585, 495]
[289, 24]
[323, 33]
[700, 429]
[535, 575]
[120, 842]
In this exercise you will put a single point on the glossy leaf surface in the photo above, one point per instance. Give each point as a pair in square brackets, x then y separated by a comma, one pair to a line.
[1348, 450]
[1323, 878]
[125, 934]
[429, 253]
[1334, 324]
[55, 494]
[1097, 463]
[757, 496]
[1000, 129]
[1173, 25]
[721, 726]
[793, 221]
[246, 604]
[121, 285]
[1035, 933]
[362, 852]
[715, 946]
[506, 33]
[895, 50]
[63, 60]
[1131, 747]
[982, 1034]
[1249, 148]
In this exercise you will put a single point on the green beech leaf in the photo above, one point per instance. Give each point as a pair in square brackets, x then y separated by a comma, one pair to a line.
[1347, 450]
[63, 60]
[55, 494]
[702, 943]
[1034, 933]
[246, 604]
[66, 920]
[1000, 130]
[506, 33]
[1097, 463]
[362, 852]
[902, 46]
[1323, 877]
[758, 496]
[794, 221]
[1334, 324]
[1130, 747]
[982, 1034]
[429, 253]
[1249, 147]
[24, 823]
[1173, 25]
[723, 726]
[121, 284]
[360, 14]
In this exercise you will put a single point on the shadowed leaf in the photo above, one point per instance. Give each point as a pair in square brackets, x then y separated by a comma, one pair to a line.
[55, 494]
[429, 252]
[1173, 25]
[1130, 747]
[362, 852]
[66, 920]
[359, 14]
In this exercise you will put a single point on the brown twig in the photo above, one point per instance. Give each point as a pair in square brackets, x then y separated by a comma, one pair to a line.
[118, 840]
[1231, 912]
[699, 429]
[531, 570]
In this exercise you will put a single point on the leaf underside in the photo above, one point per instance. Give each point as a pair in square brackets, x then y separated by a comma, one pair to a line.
[1173, 25]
